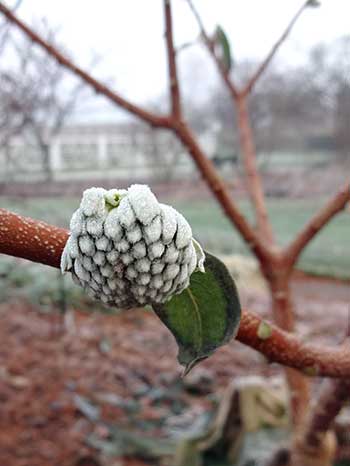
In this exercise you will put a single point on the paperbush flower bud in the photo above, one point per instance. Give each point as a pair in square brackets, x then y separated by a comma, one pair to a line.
[126, 249]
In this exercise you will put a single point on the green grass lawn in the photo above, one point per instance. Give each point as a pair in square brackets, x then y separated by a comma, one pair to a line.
[327, 254]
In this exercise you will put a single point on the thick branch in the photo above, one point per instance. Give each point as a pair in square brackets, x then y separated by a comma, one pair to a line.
[316, 444]
[172, 69]
[220, 191]
[43, 243]
[288, 350]
[251, 83]
[284, 316]
[332, 396]
[333, 207]
[148, 117]
[31, 239]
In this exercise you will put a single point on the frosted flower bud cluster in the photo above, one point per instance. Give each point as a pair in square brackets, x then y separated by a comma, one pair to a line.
[126, 249]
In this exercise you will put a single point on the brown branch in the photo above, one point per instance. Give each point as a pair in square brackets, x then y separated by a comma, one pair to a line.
[253, 80]
[332, 396]
[316, 443]
[43, 243]
[284, 316]
[172, 69]
[223, 71]
[31, 239]
[148, 117]
[207, 168]
[220, 191]
[288, 350]
[253, 179]
[333, 207]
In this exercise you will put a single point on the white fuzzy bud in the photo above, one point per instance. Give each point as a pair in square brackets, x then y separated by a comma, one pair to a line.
[126, 249]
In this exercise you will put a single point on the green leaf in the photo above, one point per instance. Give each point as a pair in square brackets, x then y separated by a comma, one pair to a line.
[205, 315]
[223, 48]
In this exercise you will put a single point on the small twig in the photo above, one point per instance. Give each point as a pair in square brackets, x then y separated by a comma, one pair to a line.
[223, 71]
[333, 207]
[184, 46]
[252, 81]
[148, 117]
[5, 28]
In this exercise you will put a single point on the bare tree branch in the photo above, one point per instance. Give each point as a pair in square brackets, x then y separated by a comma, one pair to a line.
[206, 167]
[220, 191]
[333, 207]
[254, 184]
[224, 72]
[172, 68]
[148, 117]
[251, 83]
[332, 396]
[5, 28]
[316, 443]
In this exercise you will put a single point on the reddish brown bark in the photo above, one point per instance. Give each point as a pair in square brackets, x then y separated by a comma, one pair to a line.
[31, 239]
[287, 349]
[172, 68]
[332, 208]
[43, 243]
[254, 184]
[283, 313]
[262, 67]
[221, 193]
[224, 73]
[332, 396]
[316, 445]
[277, 269]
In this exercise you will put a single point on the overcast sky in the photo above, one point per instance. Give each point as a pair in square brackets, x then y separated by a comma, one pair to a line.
[128, 34]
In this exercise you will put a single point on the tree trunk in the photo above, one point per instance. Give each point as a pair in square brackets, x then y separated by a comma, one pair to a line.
[322, 451]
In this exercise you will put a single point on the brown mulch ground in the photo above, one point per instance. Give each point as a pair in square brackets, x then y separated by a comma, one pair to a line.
[43, 369]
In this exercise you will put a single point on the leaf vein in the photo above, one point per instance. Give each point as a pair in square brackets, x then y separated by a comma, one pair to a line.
[198, 317]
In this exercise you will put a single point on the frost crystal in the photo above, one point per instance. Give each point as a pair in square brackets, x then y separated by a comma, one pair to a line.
[126, 249]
